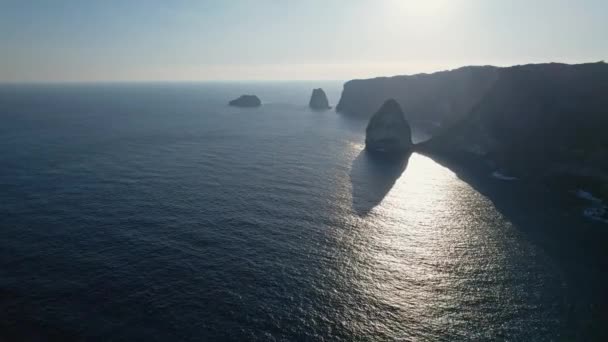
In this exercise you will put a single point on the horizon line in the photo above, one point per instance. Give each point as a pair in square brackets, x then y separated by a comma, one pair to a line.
[278, 80]
[67, 82]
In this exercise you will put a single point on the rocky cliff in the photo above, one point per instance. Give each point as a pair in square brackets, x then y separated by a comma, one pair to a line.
[441, 97]
[535, 121]
[388, 131]
[318, 100]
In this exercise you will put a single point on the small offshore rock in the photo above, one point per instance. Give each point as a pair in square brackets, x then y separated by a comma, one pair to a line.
[246, 101]
[318, 100]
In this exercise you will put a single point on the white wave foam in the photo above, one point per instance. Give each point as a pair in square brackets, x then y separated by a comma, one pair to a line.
[586, 195]
[502, 176]
[598, 211]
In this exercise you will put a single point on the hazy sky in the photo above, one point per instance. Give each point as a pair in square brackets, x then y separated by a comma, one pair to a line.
[86, 40]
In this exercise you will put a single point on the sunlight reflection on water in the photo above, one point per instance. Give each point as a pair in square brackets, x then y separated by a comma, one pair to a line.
[436, 256]
[196, 220]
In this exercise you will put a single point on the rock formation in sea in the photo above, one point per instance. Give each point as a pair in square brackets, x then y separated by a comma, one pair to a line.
[318, 100]
[388, 131]
[246, 101]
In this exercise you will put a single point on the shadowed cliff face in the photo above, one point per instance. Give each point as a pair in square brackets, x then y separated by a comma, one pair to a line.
[372, 176]
[536, 120]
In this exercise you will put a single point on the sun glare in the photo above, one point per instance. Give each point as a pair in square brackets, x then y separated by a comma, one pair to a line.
[418, 8]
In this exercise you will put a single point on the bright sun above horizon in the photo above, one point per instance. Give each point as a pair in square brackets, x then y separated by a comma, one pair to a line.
[70, 40]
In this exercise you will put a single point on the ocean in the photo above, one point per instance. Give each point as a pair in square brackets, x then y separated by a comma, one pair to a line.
[154, 211]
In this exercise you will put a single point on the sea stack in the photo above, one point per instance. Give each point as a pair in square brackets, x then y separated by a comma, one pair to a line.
[318, 100]
[246, 101]
[387, 131]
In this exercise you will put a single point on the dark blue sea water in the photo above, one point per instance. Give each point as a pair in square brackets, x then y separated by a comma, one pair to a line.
[156, 212]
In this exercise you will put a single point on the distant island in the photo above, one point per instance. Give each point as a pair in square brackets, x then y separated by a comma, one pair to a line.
[539, 122]
[318, 100]
[246, 101]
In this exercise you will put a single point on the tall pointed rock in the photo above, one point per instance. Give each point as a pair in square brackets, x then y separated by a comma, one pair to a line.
[318, 100]
[388, 131]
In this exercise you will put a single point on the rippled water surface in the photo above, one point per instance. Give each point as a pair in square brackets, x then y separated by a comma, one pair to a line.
[157, 212]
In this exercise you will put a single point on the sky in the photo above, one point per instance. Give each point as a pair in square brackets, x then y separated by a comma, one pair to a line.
[197, 40]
